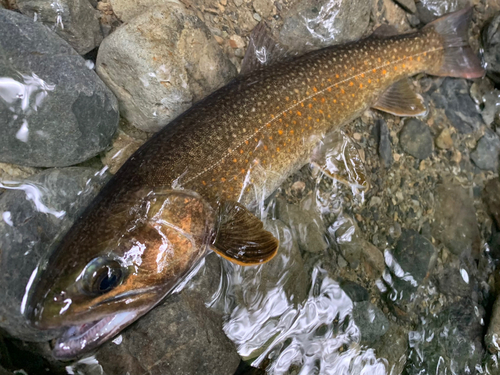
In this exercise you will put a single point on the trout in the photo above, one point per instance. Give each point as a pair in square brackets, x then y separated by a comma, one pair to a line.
[193, 186]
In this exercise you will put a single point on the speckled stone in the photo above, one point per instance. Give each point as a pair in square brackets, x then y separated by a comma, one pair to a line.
[161, 62]
[416, 139]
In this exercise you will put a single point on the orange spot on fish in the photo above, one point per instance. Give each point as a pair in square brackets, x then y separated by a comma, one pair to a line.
[360, 85]
[310, 105]
[369, 81]
[246, 142]
[241, 151]
[280, 132]
[374, 70]
[351, 83]
[320, 111]
[291, 131]
[235, 160]
[342, 91]
[411, 58]
[404, 66]
[425, 53]
[353, 95]
[280, 120]
[418, 58]
[204, 183]
[299, 114]
[337, 76]
[384, 71]
[271, 137]
[329, 89]
[395, 68]
[277, 149]
[265, 147]
[335, 100]
[315, 89]
[323, 100]
[256, 139]
[242, 171]
[302, 104]
[272, 116]
[223, 179]
[287, 98]
[317, 120]
[363, 74]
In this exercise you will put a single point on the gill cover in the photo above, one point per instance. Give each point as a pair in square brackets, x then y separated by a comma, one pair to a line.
[162, 235]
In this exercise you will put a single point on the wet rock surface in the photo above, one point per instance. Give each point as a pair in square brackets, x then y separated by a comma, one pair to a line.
[34, 214]
[156, 81]
[311, 23]
[491, 40]
[371, 322]
[66, 114]
[75, 21]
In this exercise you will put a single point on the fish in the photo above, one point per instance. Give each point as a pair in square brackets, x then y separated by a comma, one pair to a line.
[195, 186]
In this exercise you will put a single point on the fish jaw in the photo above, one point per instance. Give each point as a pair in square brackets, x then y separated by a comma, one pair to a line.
[81, 339]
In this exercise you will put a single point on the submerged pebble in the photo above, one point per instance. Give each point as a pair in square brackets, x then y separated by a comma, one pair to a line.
[155, 81]
[54, 110]
[76, 21]
[371, 322]
[34, 213]
[487, 151]
[416, 139]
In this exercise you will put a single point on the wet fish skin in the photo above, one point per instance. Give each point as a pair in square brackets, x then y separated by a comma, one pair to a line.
[238, 144]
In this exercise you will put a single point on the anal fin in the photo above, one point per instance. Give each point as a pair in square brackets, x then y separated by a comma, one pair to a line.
[400, 100]
[241, 237]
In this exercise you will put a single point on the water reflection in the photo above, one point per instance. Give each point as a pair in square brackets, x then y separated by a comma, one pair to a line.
[23, 98]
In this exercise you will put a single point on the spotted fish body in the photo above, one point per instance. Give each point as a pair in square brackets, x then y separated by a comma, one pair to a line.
[186, 188]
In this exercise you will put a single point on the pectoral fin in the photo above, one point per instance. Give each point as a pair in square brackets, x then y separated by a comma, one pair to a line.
[241, 237]
[400, 100]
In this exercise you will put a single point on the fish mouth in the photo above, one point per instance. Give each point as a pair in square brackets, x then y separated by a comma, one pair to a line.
[80, 339]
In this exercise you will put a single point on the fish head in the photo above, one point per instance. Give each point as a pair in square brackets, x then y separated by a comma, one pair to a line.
[103, 277]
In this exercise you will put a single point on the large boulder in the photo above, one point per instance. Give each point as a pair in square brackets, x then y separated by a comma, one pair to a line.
[54, 110]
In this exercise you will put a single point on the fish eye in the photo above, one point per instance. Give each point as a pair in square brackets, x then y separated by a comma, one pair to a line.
[101, 275]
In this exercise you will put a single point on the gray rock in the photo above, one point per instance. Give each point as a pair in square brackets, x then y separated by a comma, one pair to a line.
[485, 156]
[355, 291]
[157, 78]
[67, 114]
[429, 10]
[491, 44]
[451, 282]
[181, 336]
[415, 254]
[455, 223]
[416, 139]
[76, 21]
[384, 144]
[453, 96]
[34, 214]
[320, 23]
[370, 320]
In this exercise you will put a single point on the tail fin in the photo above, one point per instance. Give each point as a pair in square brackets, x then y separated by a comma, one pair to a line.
[459, 59]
